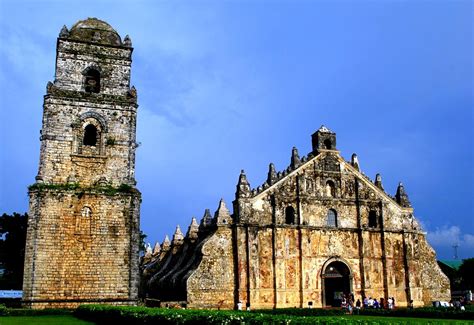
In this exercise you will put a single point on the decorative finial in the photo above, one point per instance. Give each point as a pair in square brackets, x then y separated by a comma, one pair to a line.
[127, 41]
[64, 32]
[378, 181]
[193, 230]
[295, 158]
[355, 161]
[243, 186]
[132, 93]
[156, 249]
[178, 236]
[148, 250]
[324, 129]
[165, 246]
[222, 215]
[206, 220]
[272, 175]
[402, 196]
[49, 87]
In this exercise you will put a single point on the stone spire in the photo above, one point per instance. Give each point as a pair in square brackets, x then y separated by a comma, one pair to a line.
[222, 215]
[243, 186]
[148, 250]
[355, 161]
[206, 220]
[178, 236]
[378, 181]
[295, 158]
[64, 32]
[272, 175]
[193, 230]
[165, 246]
[156, 249]
[402, 197]
[127, 41]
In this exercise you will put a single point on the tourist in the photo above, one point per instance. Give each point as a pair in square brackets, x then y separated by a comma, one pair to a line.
[365, 302]
[370, 303]
[357, 306]
[350, 306]
[410, 305]
[343, 303]
[376, 304]
[239, 305]
[393, 302]
[390, 303]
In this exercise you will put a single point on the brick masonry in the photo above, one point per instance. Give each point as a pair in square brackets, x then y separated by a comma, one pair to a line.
[83, 227]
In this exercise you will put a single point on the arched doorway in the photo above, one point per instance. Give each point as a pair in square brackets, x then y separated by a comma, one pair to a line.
[336, 282]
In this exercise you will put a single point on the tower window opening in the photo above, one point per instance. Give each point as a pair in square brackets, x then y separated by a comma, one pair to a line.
[92, 82]
[332, 218]
[290, 215]
[327, 144]
[372, 219]
[90, 135]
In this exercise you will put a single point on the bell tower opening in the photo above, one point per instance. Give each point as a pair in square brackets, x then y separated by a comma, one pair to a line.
[90, 135]
[92, 81]
[323, 139]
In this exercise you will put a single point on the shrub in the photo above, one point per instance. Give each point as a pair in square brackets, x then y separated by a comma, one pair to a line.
[303, 311]
[102, 314]
[423, 312]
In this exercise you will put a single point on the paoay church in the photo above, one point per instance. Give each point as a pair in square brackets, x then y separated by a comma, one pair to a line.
[315, 230]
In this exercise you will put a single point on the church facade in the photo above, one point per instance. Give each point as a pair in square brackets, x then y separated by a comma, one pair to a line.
[316, 230]
[83, 227]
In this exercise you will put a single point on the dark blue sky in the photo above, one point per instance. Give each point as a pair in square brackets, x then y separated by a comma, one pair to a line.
[229, 85]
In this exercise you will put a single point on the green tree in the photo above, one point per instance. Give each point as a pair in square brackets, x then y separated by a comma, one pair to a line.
[142, 241]
[12, 249]
[466, 271]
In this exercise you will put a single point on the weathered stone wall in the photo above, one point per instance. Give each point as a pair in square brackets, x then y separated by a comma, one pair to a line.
[80, 254]
[374, 254]
[73, 58]
[83, 227]
[211, 285]
[64, 157]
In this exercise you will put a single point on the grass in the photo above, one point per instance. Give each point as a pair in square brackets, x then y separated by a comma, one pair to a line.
[68, 319]
[403, 320]
[42, 320]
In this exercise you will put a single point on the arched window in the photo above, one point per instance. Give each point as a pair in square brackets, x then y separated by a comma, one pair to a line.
[92, 81]
[90, 135]
[330, 189]
[289, 215]
[372, 218]
[332, 218]
[327, 144]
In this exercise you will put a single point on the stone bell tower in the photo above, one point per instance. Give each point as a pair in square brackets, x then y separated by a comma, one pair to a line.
[83, 228]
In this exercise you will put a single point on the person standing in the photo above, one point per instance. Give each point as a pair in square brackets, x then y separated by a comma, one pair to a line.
[390, 303]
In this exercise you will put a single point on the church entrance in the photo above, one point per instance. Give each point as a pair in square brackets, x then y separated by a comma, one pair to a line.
[337, 282]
